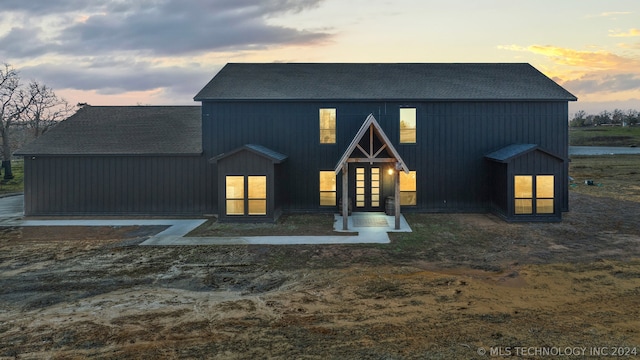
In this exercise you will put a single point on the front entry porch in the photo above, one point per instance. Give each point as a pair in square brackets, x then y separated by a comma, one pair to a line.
[362, 166]
[370, 223]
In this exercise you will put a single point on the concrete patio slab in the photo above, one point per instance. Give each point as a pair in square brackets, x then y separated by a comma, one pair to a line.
[371, 221]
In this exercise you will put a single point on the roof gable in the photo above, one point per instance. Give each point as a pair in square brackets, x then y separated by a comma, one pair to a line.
[387, 81]
[123, 130]
[371, 123]
[259, 150]
[507, 153]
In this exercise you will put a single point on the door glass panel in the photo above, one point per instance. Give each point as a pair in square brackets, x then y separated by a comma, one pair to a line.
[375, 186]
[360, 187]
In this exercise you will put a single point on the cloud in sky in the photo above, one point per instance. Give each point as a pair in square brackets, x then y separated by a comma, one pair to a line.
[170, 48]
[131, 75]
[611, 14]
[158, 28]
[594, 83]
[592, 73]
[120, 45]
[630, 33]
[598, 59]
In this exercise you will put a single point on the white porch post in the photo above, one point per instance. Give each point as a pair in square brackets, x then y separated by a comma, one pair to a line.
[396, 203]
[345, 196]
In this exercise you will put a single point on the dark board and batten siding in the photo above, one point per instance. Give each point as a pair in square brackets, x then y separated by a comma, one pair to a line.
[104, 185]
[527, 160]
[539, 163]
[246, 163]
[453, 137]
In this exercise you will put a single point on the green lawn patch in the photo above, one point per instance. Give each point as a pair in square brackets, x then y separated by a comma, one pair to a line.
[287, 225]
[15, 185]
[605, 136]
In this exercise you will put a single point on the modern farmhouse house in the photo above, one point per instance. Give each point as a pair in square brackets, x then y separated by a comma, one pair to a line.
[274, 138]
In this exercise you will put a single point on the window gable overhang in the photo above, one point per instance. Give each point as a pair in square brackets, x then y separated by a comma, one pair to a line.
[513, 151]
[274, 156]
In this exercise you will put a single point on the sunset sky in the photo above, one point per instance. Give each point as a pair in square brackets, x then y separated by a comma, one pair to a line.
[161, 52]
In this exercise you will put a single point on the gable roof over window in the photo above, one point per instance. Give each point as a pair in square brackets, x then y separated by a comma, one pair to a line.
[259, 150]
[123, 130]
[507, 153]
[382, 81]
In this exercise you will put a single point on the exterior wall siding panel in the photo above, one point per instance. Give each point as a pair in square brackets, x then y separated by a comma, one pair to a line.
[453, 138]
[86, 185]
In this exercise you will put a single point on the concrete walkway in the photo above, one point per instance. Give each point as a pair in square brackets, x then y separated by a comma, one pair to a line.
[366, 227]
[11, 208]
[371, 233]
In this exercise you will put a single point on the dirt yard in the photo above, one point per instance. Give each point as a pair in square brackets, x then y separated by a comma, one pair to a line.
[460, 286]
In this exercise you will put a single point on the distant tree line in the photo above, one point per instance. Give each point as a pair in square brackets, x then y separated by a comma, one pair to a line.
[26, 112]
[615, 117]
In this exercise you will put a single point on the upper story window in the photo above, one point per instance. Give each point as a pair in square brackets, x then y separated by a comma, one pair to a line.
[327, 126]
[407, 125]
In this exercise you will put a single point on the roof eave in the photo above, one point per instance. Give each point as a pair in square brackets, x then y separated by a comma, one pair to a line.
[292, 99]
[88, 154]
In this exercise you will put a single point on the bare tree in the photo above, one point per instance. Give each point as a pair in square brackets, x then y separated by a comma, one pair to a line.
[14, 101]
[617, 117]
[46, 109]
[35, 107]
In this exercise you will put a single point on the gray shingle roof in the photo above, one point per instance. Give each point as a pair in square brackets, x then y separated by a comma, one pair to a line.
[387, 81]
[123, 130]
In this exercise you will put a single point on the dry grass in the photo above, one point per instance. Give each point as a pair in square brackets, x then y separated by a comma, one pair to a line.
[458, 283]
[616, 176]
